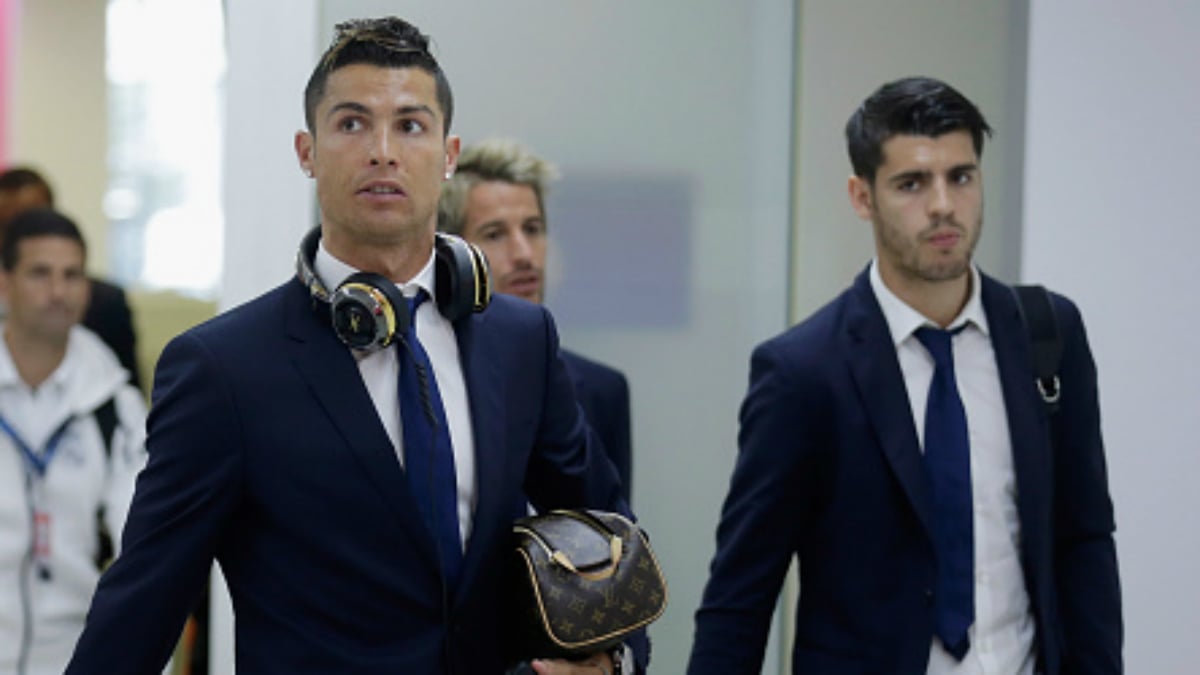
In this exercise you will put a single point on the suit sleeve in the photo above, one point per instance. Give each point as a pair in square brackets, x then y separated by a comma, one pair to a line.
[768, 501]
[618, 441]
[183, 499]
[1085, 554]
[568, 468]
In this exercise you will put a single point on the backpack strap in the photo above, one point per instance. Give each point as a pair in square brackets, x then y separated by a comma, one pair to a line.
[1045, 340]
[106, 419]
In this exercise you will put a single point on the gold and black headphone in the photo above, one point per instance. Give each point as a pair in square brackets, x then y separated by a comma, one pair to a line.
[368, 312]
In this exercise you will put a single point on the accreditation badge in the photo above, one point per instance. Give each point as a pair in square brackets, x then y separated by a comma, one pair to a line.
[41, 542]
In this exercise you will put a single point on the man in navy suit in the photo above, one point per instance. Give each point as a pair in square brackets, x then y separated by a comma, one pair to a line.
[836, 466]
[496, 200]
[283, 453]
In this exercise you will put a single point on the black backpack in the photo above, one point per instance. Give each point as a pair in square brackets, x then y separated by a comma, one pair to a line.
[106, 418]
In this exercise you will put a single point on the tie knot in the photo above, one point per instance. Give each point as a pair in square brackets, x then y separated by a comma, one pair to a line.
[415, 301]
[937, 343]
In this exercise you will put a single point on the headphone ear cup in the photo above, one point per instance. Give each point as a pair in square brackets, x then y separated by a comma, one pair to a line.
[463, 282]
[368, 312]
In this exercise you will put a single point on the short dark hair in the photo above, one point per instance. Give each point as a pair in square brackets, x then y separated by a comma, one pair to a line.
[918, 106]
[19, 177]
[37, 222]
[389, 42]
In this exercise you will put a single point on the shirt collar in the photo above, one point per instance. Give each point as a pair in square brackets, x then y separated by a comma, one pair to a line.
[902, 319]
[11, 377]
[330, 269]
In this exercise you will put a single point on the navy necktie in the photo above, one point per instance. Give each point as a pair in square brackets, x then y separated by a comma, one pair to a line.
[948, 464]
[428, 455]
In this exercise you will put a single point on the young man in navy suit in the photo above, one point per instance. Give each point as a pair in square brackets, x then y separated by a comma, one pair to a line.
[290, 454]
[496, 200]
[942, 519]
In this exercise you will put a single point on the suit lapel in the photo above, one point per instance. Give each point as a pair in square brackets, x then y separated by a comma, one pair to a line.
[871, 355]
[876, 372]
[484, 392]
[334, 381]
[1026, 418]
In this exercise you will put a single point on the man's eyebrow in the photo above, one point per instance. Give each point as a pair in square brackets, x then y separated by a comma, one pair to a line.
[352, 106]
[926, 174]
[905, 176]
[414, 109]
[402, 111]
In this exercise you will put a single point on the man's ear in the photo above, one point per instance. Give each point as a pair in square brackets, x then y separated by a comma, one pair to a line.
[305, 151]
[453, 147]
[861, 196]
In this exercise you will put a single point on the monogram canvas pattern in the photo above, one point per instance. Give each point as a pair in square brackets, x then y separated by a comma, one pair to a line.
[574, 597]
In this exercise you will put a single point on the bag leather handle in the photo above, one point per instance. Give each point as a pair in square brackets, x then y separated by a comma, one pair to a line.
[615, 545]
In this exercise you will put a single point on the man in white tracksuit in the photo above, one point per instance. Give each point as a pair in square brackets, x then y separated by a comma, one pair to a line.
[71, 444]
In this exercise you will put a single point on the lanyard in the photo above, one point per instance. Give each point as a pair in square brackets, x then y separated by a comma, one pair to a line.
[37, 461]
[35, 469]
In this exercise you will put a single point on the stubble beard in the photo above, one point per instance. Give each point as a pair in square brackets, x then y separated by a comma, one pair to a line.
[906, 253]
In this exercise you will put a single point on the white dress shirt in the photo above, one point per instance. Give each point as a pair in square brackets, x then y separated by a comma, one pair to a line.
[380, 371]
[1002, 636]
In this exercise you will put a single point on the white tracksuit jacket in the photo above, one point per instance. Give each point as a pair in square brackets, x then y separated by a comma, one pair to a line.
[44, 597]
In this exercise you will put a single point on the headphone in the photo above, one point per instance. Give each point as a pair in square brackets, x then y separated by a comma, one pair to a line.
[367, 310]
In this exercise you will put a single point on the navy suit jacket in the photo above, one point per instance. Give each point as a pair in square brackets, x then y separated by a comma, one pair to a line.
[266, 453]
[829, 470]
[604, 394]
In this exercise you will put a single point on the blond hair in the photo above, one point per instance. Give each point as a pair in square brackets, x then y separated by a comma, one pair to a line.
[491, 160]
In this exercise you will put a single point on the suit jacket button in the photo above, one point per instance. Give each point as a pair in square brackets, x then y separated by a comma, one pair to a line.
[929, 596]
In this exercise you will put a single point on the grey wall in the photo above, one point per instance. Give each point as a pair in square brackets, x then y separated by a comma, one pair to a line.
[1111, 220]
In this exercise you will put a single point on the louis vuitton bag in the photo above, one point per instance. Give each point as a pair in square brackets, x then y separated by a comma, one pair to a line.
[583, 581]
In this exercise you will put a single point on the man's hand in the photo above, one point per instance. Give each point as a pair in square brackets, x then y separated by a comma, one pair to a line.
[596, 664]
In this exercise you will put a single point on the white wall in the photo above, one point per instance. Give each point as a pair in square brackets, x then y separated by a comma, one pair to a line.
[1111, 220]
[268, 202]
